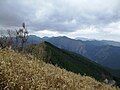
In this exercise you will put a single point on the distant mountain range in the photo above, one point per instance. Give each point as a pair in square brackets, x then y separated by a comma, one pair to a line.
[106, 53]
[68, 60]
[102, 42]
[83, 39]
[99, 42]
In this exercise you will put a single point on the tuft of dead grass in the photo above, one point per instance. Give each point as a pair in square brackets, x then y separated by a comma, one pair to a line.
[24, 72]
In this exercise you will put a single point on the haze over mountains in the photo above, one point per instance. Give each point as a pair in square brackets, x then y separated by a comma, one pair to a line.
[103, 52]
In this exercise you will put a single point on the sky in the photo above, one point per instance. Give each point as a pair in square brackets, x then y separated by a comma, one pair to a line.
[93, 19]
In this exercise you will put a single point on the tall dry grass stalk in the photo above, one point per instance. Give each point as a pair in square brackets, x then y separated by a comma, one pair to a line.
[24, 72]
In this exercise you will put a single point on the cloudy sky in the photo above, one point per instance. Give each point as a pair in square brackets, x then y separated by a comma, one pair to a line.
[94, 19]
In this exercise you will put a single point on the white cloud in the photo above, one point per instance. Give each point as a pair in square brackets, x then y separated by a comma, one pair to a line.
[39, 12]
[46, 33]
[97, 19]
[110, 32]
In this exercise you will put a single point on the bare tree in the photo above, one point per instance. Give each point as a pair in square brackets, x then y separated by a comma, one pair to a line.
[11, 35]
[22, 35]
[6, 38]
[3, 39]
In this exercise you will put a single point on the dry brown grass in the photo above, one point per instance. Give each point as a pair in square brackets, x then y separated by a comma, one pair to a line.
[21, 72]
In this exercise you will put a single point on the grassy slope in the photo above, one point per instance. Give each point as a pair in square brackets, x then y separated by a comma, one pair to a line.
[23, 72]
[68, 60]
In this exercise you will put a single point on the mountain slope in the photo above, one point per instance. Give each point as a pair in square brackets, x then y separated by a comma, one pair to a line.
[98, 51]
[24, 72]
[102, 43]
[32, 39]
[86, 48]
[106, 55]
[68, 44]
[68, 60]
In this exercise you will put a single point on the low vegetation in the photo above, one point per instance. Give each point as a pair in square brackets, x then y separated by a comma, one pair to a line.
[24, 72]
[68, 60]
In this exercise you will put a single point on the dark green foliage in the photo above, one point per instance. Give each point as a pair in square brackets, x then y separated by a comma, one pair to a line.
[3, 42]
[68, 60]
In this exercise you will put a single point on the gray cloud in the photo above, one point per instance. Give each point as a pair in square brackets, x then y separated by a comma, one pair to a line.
[59, 15]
